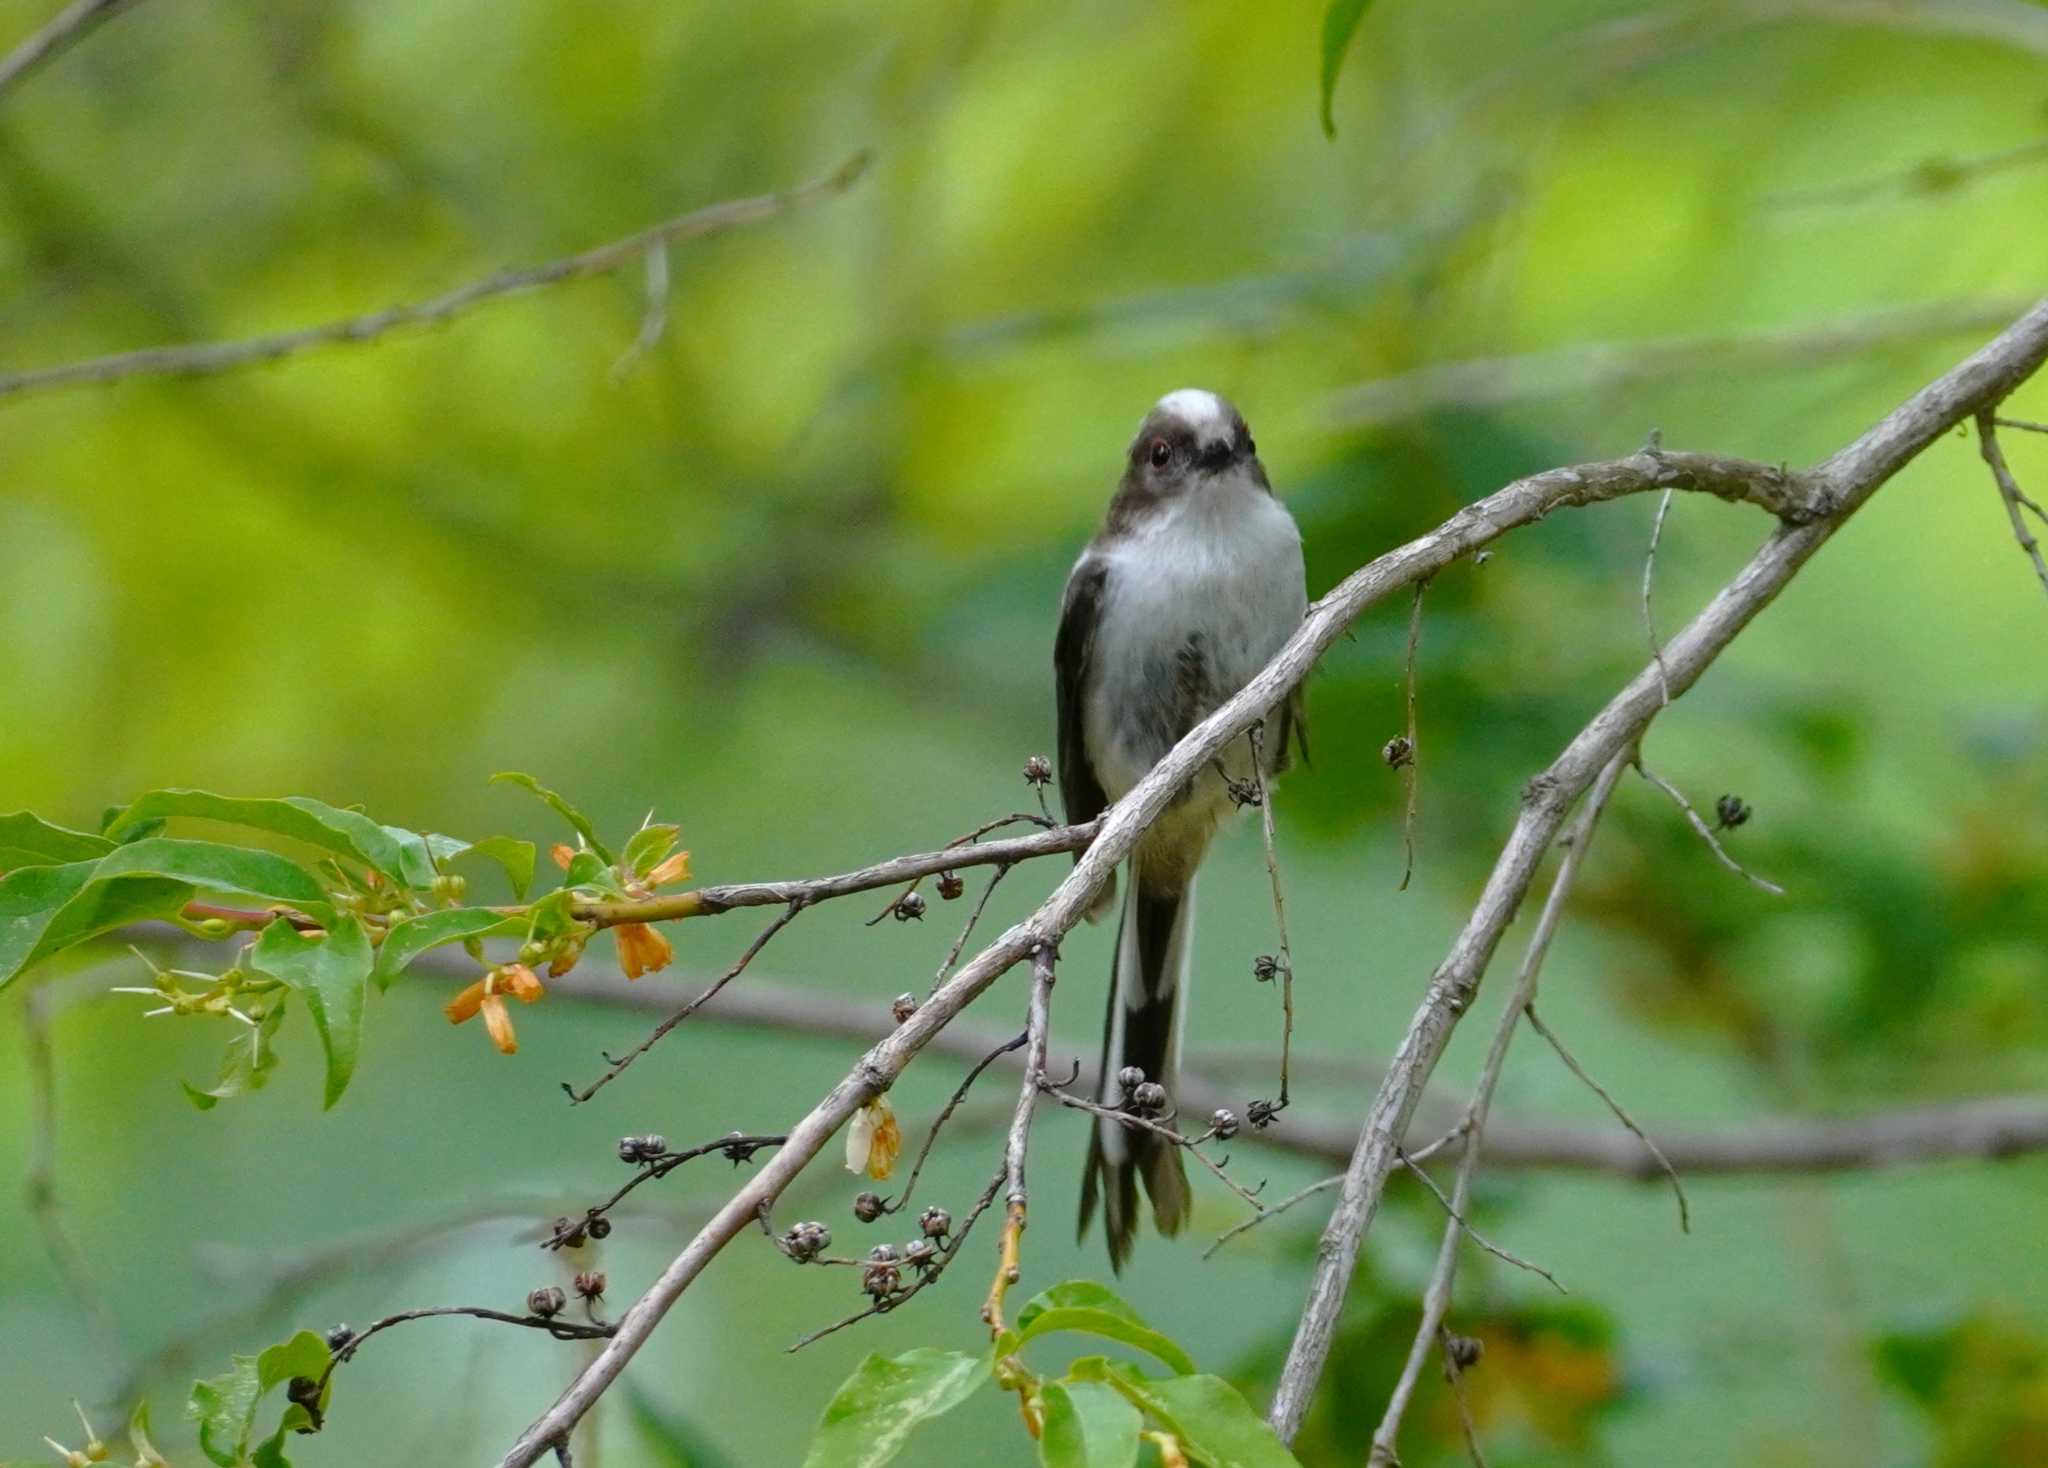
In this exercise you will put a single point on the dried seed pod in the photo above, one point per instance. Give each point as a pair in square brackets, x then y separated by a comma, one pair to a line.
[1038, 770]
[546, 1302]
[867, 1207]
[909, 906]
[1224, 1123]
[936, 1222]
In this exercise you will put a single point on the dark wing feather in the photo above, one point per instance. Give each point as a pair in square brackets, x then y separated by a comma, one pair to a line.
[1072, 651]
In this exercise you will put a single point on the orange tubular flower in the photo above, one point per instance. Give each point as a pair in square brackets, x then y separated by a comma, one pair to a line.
[641, 949]
[487, 997]
[498, 1020]
[673, 869]
[563, 854]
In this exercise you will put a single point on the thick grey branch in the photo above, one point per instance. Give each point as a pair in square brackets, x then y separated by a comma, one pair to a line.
[200, 358]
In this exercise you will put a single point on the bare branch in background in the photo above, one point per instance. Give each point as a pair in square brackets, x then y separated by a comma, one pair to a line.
[1486, 382]
[2010, 493]
[1839, 486]
[1016, 1145]
[66, 29]
[195, 359]
[1929, 178]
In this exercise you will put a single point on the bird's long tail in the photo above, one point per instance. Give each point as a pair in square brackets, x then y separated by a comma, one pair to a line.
[1147, 994]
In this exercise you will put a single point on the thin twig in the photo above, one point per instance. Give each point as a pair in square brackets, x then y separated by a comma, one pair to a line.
[561, 1330]
[1258, 738]
[1016, 1145]
[735, 1147]
[202, 358]
[1927, 178]
[66, 29]
[1191, 1145]
[1455, 1375]
[1436, 1300]
[1411, 765]
[925, 1279]
[2009, 491]
[967, 929]
[1706, 832]
[2027, 424]
[1620, 1113]
[902, 1199]
[1649, 617]
[1460, 1221]
[654, 313]
[1272, 1210]
[972, 838]
[616, 1065]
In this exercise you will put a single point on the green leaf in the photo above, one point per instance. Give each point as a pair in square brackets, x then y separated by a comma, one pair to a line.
[410, 937]
[44, 910]
[588, 869]
[874, 1411]
[1088, 1425]
[236, 870]
[389, 849]
[247, 1064]
[648, 846]
[1085, 1306]
[562, 808]
[332, 973]
[225, 1406]
[1109, 1327]
[1083, 1293]
[1214, 1423]
[516, 857]
[30, 841]
[1340, 24]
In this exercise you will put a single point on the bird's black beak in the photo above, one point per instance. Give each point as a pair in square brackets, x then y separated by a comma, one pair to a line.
[1219, 455]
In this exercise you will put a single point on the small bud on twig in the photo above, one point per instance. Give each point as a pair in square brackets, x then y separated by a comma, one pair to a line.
[806, 1241]
[1398, 751]
[1265, 968]
[338, 1336]
[1732, 811]
[590, 1284]
[881, 1280]
[1464, 1351]
[936, 1222]
[1224, 1123]
[1149, 1098]
[951, 885]
[867, 1207]
[1261, 1114]
[903, 1008]
[546, 1302]
[1129, 1079]
[1038, 770]
[910, 905]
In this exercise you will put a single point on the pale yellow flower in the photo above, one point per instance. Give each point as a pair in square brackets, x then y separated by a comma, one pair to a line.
[873, 1140]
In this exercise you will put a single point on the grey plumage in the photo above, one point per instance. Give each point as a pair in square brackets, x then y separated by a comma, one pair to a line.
[1192, 585]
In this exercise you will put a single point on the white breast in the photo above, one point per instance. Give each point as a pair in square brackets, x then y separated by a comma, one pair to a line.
[1223, 563]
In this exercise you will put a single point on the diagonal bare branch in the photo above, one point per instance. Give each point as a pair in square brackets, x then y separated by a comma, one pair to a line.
[195, 359]
[59, 34]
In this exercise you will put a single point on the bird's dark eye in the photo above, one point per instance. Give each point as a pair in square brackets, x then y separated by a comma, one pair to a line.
[1161, 452]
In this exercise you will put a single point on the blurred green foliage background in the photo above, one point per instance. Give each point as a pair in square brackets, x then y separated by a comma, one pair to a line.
[790, 578]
